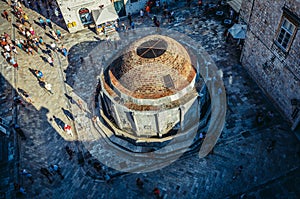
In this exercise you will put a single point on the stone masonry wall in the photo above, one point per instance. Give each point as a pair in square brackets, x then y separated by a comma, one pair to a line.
[277, 75]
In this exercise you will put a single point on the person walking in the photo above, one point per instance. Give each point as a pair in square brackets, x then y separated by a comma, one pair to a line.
[50, 60]
[132, 25]
[42, 23]
[27, 97]
[142, 14]
[13, 63]
[70, 152]
[129, 18]
[148, 9]
[108, 41]
[28, 175]
[80, 104]
[53, 45]
[31, 30]
[41, 41]
[68, 130]
[58, 33]
[139, 183]
[13, 49]
[18, 43]
[49, 23]
[55, 168]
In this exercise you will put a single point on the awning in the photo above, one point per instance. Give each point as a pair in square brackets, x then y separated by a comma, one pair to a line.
[105, 14]
[236, 5]
[238, 31]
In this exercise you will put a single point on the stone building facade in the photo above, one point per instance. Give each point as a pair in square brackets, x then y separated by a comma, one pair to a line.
[271, 52]
[77, 13]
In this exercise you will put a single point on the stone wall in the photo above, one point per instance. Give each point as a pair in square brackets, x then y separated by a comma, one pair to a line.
[277, 73]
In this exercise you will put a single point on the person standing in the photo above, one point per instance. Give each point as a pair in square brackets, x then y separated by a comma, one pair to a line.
[129, 18]
[48, 87]
[5, 14]
[142, 14]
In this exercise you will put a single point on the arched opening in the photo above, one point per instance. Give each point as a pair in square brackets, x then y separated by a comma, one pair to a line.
[85, 16]
[120, 7]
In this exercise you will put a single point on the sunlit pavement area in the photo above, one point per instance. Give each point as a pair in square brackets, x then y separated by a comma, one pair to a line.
[266, 173]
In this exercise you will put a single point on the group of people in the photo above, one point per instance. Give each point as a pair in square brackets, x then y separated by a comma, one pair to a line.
[140, 185]
[9, 49]
[29, 41]
[31, 44]
[52, 170]
[155, 7]
[49, 172]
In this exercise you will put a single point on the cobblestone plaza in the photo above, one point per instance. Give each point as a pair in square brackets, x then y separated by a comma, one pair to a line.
[269, 153]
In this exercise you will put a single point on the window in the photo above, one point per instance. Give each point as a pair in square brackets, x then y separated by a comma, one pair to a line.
[287, 30]
[285, 35]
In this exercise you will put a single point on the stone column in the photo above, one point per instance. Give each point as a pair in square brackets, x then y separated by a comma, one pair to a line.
[135, 123]
[157, 125]
[199, 107]
[182, 112]
[296, 123]
[119, 123]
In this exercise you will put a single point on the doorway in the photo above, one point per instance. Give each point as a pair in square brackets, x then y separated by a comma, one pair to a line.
[120, 7]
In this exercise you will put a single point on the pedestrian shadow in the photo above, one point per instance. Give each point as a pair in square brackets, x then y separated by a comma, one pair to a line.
[44, 58]
[33, 71]
[69, 98]
[47, 50]
[50, 36]
[38, 23]
[59, 122]
[21, 91]
[97, 38]
[15, 25]
[68, 114]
